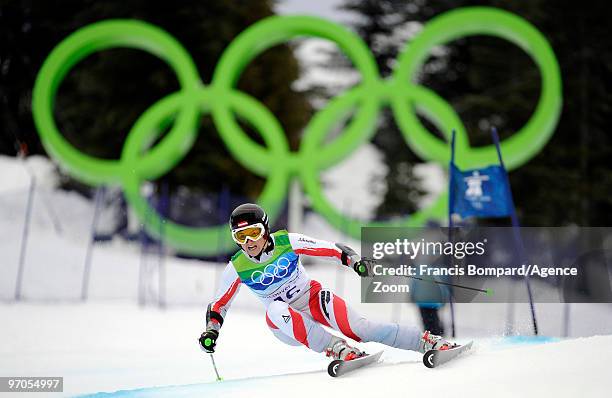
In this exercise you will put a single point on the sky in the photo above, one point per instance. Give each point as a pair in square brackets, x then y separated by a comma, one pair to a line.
[322, 8]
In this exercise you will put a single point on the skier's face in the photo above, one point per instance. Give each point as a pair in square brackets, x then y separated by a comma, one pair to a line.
[254, 248]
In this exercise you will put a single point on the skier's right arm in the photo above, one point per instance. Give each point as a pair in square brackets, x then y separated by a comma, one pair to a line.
[215, 313]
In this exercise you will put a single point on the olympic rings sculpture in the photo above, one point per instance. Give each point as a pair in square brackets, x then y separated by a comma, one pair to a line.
[139, 161]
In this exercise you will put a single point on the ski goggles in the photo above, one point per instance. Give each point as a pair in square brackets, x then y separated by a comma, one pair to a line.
[252, 232]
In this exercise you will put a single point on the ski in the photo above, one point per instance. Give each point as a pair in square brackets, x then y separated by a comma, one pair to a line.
[434, 358]
[339, 367]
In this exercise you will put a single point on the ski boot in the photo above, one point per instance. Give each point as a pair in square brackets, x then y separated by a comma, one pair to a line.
[432, 342]
[340, 349]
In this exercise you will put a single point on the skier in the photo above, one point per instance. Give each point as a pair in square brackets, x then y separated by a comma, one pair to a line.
[297, 306]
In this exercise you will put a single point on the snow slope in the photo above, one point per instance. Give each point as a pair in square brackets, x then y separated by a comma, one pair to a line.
[117, 347]
[110, 344]
[527, 371]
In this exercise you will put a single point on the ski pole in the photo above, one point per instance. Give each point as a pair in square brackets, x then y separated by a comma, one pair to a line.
[488, 292]
[215, 367]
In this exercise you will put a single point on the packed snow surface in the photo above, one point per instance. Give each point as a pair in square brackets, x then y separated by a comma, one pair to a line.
[111, 346]
[147, 352]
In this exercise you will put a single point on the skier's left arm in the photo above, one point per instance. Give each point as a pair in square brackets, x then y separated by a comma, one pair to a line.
[338, 252]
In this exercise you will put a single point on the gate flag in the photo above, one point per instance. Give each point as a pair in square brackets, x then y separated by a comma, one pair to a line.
[479, 192]
[485, 192]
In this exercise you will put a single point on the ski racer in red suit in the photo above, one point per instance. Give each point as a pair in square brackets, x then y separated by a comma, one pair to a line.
[298, 307]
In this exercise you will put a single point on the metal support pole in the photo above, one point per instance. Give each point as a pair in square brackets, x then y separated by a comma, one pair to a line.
[516, 230]
[89, 253]
[450, 229]
[24, 240]
[163, 211]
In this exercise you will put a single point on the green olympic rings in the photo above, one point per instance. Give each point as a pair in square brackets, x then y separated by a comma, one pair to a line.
[102, 36]
[139, 161]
